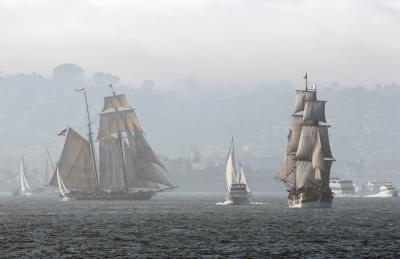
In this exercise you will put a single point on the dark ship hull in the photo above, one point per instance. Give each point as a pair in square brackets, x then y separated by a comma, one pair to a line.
[111, 196]
[310, 198]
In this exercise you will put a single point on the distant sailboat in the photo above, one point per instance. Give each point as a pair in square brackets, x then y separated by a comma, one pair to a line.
[64, 193]
[238, 189]
[48, 170]
[128, 167]
[25, 188]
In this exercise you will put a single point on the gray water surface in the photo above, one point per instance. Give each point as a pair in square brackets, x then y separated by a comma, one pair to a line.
[181, 225]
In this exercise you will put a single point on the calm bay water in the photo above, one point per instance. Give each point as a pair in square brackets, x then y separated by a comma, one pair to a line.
[181, 225]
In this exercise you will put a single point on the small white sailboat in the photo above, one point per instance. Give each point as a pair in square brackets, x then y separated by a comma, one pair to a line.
[25, 188]
[63, 190]
[239, 191]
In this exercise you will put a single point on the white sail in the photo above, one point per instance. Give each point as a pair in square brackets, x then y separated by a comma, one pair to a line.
[242, 179]
[230, 171]
[115, 101]
[117, 122]
[75, 164]
[48, 171]
[307, 143]
[314, 111]
[302, 96]
[324, 137]
[287, 172]
[24, 183]
[63, 190]
[111, 174]
[294, 136]
[305, 175]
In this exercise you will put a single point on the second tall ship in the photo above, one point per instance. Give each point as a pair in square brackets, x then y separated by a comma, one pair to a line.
[308, 158]
[128, 167]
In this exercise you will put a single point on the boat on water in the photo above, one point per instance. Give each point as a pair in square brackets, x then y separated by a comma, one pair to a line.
[64, 192]
[47, 175]
[128, 167]
[25, 189]
[238, 189]
[342, 187]
[373, 186]
[386, 189]
[308, 159]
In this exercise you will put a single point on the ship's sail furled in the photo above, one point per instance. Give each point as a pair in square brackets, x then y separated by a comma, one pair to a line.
[308, 159]
[25, 188]
[75, 165]
[111, 169]
[230, 170]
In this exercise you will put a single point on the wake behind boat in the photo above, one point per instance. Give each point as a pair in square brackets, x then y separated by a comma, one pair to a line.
[239, 191]
[386, 189]
[128, 167]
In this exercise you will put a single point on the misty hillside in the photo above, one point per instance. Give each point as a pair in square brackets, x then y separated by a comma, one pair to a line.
[189, 119]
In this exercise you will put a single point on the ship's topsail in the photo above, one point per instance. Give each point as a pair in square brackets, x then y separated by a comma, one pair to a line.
[115, 101]
[75, 165]
[117, 122]
[308, 159]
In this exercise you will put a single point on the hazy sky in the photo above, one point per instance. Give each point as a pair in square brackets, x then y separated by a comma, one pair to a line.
[238, 40]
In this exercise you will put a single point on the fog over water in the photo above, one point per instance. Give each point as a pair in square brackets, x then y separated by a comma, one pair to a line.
[199, 72]
[189, 124]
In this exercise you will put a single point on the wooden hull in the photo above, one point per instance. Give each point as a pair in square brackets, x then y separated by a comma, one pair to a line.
[311, 198]
[103, 196]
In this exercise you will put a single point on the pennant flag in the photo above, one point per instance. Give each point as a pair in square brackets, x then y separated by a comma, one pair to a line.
[63, 132]
[80, 89]
[312, 88]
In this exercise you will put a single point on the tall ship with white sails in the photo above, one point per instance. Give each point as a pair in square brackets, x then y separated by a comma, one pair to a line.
[308, 159]
[128, 167]
[236, 183]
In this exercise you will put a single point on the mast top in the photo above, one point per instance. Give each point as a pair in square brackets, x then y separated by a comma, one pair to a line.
[306, 79]
[112, 87]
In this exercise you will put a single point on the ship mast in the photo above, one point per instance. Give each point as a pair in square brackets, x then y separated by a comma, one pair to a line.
[120, 149]
[91, 139]
[306, 79]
